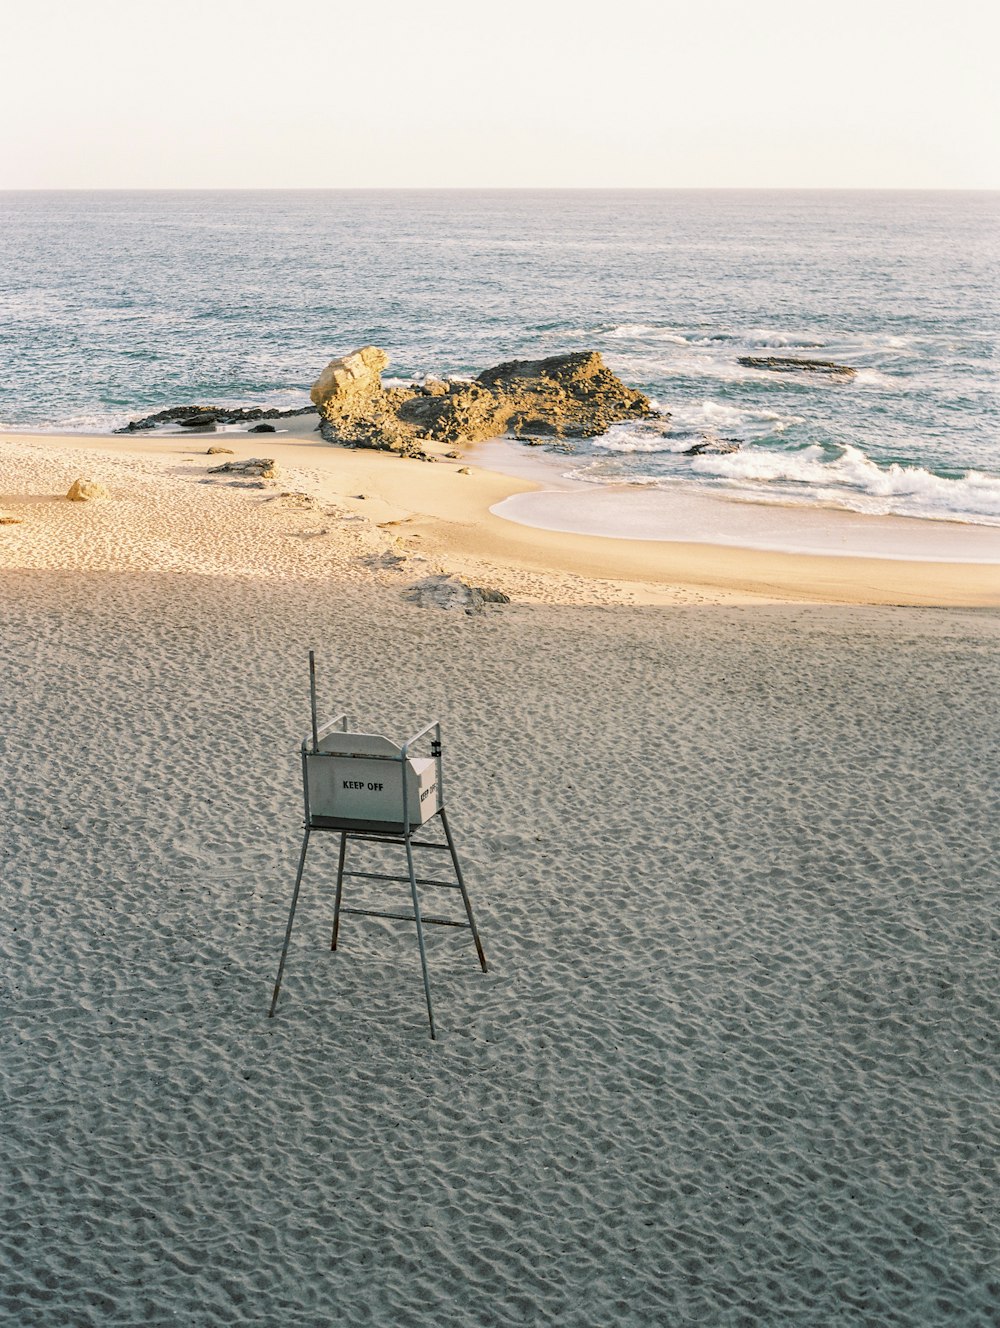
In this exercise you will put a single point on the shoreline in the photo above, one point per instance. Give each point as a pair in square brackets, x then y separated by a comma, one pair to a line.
[677, 513]
[450, 507]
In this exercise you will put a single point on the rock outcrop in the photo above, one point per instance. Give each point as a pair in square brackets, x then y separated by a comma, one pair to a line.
[198, 416]
[357, 410]
[564, 396]
[82, 491]
[552, 400]
[786, 364]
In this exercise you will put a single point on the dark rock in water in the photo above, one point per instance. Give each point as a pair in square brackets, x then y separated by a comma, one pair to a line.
[717, 446]
[262, 428]
[185, 415]
[563, 396]
[197, 422]
[785, 364]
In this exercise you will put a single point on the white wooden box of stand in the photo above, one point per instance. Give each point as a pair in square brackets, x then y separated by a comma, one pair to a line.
[358, 777]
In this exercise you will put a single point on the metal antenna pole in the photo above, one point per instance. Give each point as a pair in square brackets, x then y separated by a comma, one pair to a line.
[312, 699]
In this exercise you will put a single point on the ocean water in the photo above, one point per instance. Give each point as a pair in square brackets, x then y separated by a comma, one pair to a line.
[116, 304]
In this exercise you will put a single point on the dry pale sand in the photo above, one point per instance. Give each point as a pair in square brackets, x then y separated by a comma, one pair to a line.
[735, 865]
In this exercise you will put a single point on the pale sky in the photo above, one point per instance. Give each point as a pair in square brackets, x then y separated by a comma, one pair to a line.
[527, 93]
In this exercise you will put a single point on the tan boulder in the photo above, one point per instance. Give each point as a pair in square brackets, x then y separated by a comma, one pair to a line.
[351, 376]
[82, 491]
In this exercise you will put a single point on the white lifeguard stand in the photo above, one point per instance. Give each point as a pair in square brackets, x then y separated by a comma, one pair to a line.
[367, 788]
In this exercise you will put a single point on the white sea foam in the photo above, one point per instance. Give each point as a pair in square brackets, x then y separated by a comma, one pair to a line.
[704, 422]
[853, 480]
[98, 422]
[630, 438]
[761, 338]
[689, 362]
[601, 473]
[717, 415]
[883, 381]
[646, 332]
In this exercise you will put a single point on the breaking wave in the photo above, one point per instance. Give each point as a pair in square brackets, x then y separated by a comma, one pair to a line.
[854, 481]
[706, 421]
[646, 332]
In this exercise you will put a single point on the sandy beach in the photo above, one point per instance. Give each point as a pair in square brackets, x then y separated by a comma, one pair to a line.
[729, 819]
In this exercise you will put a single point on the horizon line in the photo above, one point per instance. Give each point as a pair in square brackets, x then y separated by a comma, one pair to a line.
[506, 189]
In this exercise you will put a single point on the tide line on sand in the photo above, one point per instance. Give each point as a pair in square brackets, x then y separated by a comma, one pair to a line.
[683, 515]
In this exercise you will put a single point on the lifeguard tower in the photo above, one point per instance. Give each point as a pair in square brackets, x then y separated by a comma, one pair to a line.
[366, 788]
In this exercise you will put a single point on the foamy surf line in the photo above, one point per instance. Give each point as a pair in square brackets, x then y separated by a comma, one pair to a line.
[679, 515]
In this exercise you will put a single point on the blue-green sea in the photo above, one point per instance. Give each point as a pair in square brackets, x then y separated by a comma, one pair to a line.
[116, 304]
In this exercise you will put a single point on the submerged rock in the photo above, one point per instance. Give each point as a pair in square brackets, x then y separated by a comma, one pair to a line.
[715, 446]
[786, 364]
[563, 396]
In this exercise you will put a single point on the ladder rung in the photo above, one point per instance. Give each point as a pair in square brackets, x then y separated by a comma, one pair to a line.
[404, 917]
[361, 837]
[421, 880]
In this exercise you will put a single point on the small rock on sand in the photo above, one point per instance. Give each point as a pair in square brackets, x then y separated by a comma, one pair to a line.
[264, 468]
[452, 592]
[220, 451]
[388, 560]
[82, 491]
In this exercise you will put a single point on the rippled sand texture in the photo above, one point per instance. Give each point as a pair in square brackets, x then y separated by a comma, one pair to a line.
[735, 1060]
